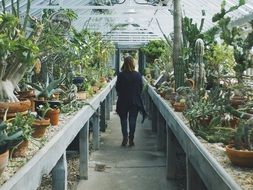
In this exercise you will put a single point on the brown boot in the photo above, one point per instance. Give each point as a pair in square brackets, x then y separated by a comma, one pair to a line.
[131, 141]
[124, 142]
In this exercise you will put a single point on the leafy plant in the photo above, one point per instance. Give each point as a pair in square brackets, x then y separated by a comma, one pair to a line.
[21, 123]
[73, 106]
[18, 53]
[42, 110]
[233, 37]
[154, 49]
[216, 134]
[202, 109]
[9, 140]
[47, 90]
[220, 59]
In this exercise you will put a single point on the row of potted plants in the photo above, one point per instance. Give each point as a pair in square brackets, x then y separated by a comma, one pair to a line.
[46, 62]
[216, 96]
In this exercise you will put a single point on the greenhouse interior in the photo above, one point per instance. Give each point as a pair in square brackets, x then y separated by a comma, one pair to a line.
[126, 94]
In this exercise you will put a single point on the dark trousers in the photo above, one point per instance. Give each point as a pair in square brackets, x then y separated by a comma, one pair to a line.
[131, 115]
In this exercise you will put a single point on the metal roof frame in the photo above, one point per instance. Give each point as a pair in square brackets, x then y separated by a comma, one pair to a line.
[143, 15]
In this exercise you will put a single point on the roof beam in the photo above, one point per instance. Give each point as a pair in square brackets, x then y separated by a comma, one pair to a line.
[89, 7]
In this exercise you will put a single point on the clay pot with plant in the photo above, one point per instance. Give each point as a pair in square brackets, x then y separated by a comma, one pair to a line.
[41, 122]
[241, 152]
[182, 97]
[53, 114]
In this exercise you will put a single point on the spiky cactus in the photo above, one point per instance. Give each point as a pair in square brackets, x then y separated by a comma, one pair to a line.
[199, 68]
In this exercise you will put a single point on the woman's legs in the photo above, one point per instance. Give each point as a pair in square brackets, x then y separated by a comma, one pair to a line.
[123, 121]
[133, 112]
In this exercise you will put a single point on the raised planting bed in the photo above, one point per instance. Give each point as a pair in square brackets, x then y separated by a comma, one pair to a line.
[208, 160]
[43, 155]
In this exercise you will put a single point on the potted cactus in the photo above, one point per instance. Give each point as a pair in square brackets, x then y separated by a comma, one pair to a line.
[241, 152]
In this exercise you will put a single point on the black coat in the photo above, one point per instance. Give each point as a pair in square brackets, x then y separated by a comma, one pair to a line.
[129, 87]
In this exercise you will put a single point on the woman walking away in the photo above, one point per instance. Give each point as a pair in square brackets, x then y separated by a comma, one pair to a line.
[129, 86]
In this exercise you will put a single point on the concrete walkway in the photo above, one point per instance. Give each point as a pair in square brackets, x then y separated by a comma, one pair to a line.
[141, 167]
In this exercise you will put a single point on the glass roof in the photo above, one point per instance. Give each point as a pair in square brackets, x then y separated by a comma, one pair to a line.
[134, 22]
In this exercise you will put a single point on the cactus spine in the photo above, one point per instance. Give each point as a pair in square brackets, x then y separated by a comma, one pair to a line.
[199, 68]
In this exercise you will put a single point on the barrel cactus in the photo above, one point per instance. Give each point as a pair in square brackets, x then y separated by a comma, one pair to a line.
[199, 68]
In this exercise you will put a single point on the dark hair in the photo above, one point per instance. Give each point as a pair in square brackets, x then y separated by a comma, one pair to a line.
[128, 64]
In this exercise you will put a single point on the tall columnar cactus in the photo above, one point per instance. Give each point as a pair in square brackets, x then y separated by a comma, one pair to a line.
[199, 68]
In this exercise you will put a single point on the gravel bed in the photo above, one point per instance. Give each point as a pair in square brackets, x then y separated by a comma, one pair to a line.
[34, 145]
[242, 176]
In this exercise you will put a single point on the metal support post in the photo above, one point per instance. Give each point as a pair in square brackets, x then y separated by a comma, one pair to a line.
[107, 108]
[154, 117]
[110, 101]
[102, 117]
[96, 129]
[84, 151]
[171, 154]
[194, 182]
[59, 174]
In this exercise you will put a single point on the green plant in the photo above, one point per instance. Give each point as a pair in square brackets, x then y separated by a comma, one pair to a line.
[42, 110]
[233, 37]
[216, 134]
[21, 123]
[47, 90]
[202, 109]
[154, 49]
[220, 59]
[243, 138]
[18, 53]
[186, 93]
[9, 140]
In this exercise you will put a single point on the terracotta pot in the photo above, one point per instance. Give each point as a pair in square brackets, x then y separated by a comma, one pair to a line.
[26, 94]
[54, 116]
[234, 122]
[20, 150]
[205, 121]
[14, 107]
[236, 101]
[162, 94]
[82, 95]
[95, 89]
[103, 80]
[4, 158]
[242, 158]
[179, 107]
[39, 126]
[190, 83]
